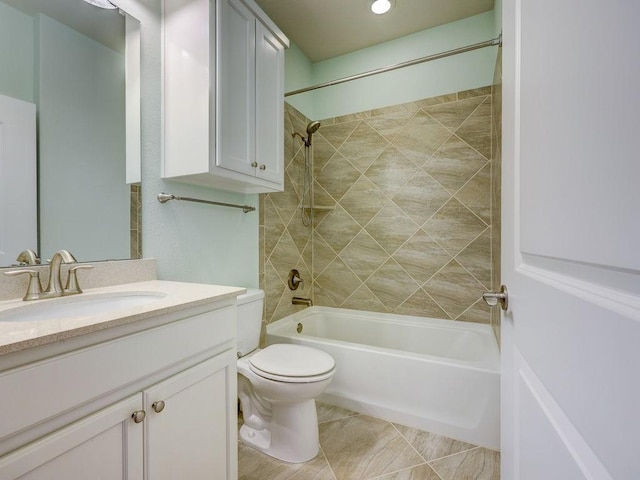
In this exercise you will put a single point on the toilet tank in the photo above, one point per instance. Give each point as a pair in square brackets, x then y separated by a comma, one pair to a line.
[249, 320]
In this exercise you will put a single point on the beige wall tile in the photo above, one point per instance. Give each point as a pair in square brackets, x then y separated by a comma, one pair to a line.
[363, 255]
[454, 164]
[391, 227]
[453, 114]
[363, 200]
[454, 289]
[476, 258]
[338, 282]
[391, 201]
[421, 197]
[421, 257]
[390, 124]
[336, 134]
[454, 227]
[391, 170]
[364, 299]
[476, 130]
[422, 305]
[338, 176]
[338, 228]
[476, 194]
[363, 146]
[391, 284]
[421, 138]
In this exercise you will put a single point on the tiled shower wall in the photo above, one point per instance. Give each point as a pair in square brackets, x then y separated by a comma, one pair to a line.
[402, 217]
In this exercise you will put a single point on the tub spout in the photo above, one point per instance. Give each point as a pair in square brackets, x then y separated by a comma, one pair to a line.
[302, 301]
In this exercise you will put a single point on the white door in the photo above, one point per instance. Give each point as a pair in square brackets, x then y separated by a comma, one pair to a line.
[18, 217]
[571, 240]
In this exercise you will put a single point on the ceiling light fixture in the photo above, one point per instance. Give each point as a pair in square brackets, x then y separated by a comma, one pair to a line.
[379, 6]
[102, 4]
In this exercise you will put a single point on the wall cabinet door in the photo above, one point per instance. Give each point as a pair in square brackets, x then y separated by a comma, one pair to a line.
[106, 445]
[236, 92]
[269, 105]
[192, 433]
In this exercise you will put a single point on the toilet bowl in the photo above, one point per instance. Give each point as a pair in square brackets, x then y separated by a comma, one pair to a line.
[277, 387]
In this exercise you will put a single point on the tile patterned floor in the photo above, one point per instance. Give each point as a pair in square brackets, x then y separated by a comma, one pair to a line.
[360, 447]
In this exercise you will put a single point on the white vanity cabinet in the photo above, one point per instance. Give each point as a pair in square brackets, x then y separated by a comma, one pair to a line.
[153, 400]
[223, 95]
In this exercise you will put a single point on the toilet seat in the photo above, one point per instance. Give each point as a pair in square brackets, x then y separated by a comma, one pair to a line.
[292, 364]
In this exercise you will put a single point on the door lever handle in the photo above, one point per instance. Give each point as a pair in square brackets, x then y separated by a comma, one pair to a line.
[494, 298]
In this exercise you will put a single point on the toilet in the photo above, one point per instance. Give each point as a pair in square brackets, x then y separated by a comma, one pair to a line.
[277, 387]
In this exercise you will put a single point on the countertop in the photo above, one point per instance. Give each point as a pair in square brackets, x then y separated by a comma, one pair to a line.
[172, 297]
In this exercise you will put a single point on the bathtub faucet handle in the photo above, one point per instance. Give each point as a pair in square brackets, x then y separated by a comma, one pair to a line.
[294, 279]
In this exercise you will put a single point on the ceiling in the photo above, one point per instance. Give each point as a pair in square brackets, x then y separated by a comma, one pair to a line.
[324, 29]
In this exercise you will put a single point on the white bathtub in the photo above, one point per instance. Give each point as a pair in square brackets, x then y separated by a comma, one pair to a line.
[435, 375]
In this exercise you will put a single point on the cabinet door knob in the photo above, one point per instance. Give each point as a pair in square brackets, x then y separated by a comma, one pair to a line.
[158, 406]
[263, 167]
[138, 416]
[254, 164]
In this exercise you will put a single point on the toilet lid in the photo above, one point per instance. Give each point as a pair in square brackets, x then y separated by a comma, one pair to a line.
[286, 360]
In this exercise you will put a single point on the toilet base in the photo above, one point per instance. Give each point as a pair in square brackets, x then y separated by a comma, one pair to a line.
[291, 435]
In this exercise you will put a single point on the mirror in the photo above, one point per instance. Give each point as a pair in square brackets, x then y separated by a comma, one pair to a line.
[70, 58]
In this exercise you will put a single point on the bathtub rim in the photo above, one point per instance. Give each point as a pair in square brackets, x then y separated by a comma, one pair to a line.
[491, 365]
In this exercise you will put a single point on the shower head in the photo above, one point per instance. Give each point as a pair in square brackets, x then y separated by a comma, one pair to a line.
[313, 127]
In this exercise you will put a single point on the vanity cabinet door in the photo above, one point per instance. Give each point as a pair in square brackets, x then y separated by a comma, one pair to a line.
[191, 425]
[106, 445]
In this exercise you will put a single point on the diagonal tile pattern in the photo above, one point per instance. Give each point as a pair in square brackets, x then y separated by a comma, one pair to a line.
[359, 447]
[405, 205]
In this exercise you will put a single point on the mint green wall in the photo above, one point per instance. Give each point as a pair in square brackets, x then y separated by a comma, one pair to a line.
[460, 72]
[16, 53]
[497, 10]
[298, 74]
[83, 195]
[191, 242]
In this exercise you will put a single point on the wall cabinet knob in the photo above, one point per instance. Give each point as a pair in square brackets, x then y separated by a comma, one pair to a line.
[138, 416]
[158, 406]
[263, 167]
[254, 164]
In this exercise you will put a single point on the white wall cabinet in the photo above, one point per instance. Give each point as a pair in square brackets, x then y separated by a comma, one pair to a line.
[73, 414]
[223, 95]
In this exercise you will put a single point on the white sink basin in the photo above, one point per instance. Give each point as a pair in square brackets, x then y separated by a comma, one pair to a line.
[79, 305]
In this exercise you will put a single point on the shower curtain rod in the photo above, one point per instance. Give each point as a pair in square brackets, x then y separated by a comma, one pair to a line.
[488, 43]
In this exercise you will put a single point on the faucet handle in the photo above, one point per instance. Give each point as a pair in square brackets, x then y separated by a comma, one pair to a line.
[34, 289]
[72, 280]
[294, 279]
